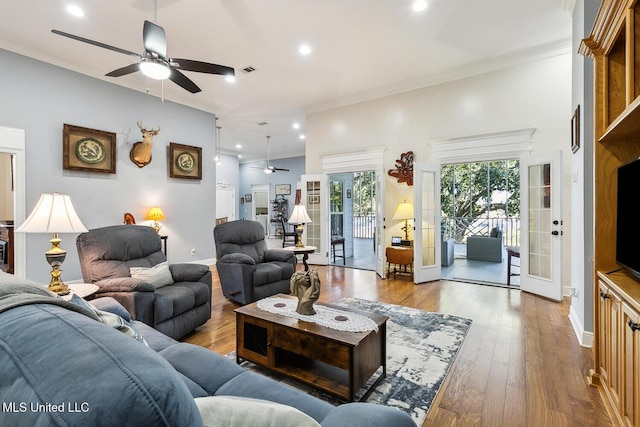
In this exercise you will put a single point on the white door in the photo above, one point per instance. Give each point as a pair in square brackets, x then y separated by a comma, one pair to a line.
[315, 196]
[427, 246]
[260, 206]
[541, 226]
[379, 230]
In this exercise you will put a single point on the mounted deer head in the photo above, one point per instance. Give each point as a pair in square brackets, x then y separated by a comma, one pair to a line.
[140, 153]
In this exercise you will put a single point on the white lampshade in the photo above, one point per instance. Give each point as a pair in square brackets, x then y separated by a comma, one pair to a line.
[403, 211]
[299, 215]
[54, 213]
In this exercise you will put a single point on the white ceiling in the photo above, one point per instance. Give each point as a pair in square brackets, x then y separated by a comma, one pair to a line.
[362, 49]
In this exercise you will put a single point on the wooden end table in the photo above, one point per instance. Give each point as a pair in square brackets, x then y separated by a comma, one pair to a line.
[336, 362]
[304, 251]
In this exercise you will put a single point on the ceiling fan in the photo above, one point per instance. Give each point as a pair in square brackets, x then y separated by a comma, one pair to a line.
[268, 168]
[154, 62]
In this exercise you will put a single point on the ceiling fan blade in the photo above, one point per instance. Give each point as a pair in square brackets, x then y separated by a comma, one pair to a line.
[124, 70]
[95, 43]
[181, 80]
[280, 169]
[154, 39]
[203, 67]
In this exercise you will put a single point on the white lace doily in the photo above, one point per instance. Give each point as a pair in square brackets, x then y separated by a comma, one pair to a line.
[325, 316]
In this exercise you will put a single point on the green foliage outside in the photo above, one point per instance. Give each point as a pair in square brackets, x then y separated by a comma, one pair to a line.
[364, 193]
[478, 190]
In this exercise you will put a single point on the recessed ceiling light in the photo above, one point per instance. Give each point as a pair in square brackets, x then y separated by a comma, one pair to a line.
[75, 10]
[239, 156]
[238, 146]
[419, 5]
[230, 79]
[305, 49]
[296, 125]
[302, 136]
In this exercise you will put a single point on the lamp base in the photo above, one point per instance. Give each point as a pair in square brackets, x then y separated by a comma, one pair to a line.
[55, 256]
[156, 226]
[299, 231]
[406, 229]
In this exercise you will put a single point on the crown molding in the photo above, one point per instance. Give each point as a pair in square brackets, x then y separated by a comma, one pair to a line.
[548, 50]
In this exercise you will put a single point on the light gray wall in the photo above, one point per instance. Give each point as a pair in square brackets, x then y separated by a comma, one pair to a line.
[582, 225]
[40, 98]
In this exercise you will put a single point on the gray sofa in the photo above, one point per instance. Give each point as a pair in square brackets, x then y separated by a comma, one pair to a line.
[486, 248]
[61, 366]
[106, 257]
[248, 270]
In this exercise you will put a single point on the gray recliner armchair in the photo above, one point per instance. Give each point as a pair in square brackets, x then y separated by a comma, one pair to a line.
[175, 309]
[486, 248]
[248, 270]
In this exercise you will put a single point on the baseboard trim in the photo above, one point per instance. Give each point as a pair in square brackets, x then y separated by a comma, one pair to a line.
[584, 338]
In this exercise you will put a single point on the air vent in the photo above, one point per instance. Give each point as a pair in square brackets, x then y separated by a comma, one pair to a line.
[248, 69]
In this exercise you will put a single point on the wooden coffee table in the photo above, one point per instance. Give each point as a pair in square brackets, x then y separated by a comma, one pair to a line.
[337, 362]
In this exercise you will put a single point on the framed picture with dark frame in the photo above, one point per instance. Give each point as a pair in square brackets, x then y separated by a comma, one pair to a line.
[247, 198]
[283, 189]
[575, 130]
[90, 150]
[185, 161]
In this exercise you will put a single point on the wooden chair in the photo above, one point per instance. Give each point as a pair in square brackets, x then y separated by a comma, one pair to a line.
[288, 235]
[335, 241]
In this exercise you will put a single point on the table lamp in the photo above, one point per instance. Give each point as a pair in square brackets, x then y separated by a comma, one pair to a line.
[155, 214]
[404, 212]
[299, 217]
[54, 213]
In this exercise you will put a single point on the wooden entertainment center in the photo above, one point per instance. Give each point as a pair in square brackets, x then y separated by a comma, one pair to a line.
[614, 44]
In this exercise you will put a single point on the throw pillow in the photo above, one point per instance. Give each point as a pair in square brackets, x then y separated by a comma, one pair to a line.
[231, 411]
[110, 319]
[158, 275]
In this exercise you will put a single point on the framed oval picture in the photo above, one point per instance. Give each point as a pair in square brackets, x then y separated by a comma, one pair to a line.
[185, 161]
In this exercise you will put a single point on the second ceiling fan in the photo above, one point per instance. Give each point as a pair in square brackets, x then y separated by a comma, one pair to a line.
[154, 62]
[269, 168]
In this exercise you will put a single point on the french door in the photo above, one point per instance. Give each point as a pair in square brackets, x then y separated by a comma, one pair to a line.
[427, 238]
[315, 197]
[541, 226]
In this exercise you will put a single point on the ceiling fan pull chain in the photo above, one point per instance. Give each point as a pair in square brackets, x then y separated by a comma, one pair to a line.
[162, 91]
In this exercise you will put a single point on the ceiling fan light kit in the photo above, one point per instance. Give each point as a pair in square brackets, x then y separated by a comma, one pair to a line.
[155, 69]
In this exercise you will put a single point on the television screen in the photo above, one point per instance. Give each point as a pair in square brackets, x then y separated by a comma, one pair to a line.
[627, 223]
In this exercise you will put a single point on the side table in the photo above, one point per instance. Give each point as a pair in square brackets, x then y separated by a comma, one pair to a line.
[84, 290]
[304, 251]
[400, 256]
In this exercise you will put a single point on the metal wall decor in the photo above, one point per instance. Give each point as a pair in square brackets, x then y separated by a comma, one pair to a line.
[404, 168]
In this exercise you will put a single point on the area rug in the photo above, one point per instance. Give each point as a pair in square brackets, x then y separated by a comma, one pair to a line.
[421, 347]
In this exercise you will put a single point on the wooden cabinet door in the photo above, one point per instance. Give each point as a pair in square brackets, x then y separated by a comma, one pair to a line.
[615, 339]
[630, 349]
[253, 340]
[609, 319]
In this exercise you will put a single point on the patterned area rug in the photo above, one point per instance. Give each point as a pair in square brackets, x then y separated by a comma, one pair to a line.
[421, 346]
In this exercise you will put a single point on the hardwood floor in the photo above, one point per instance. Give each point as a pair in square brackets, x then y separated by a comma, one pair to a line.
[520, 364]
